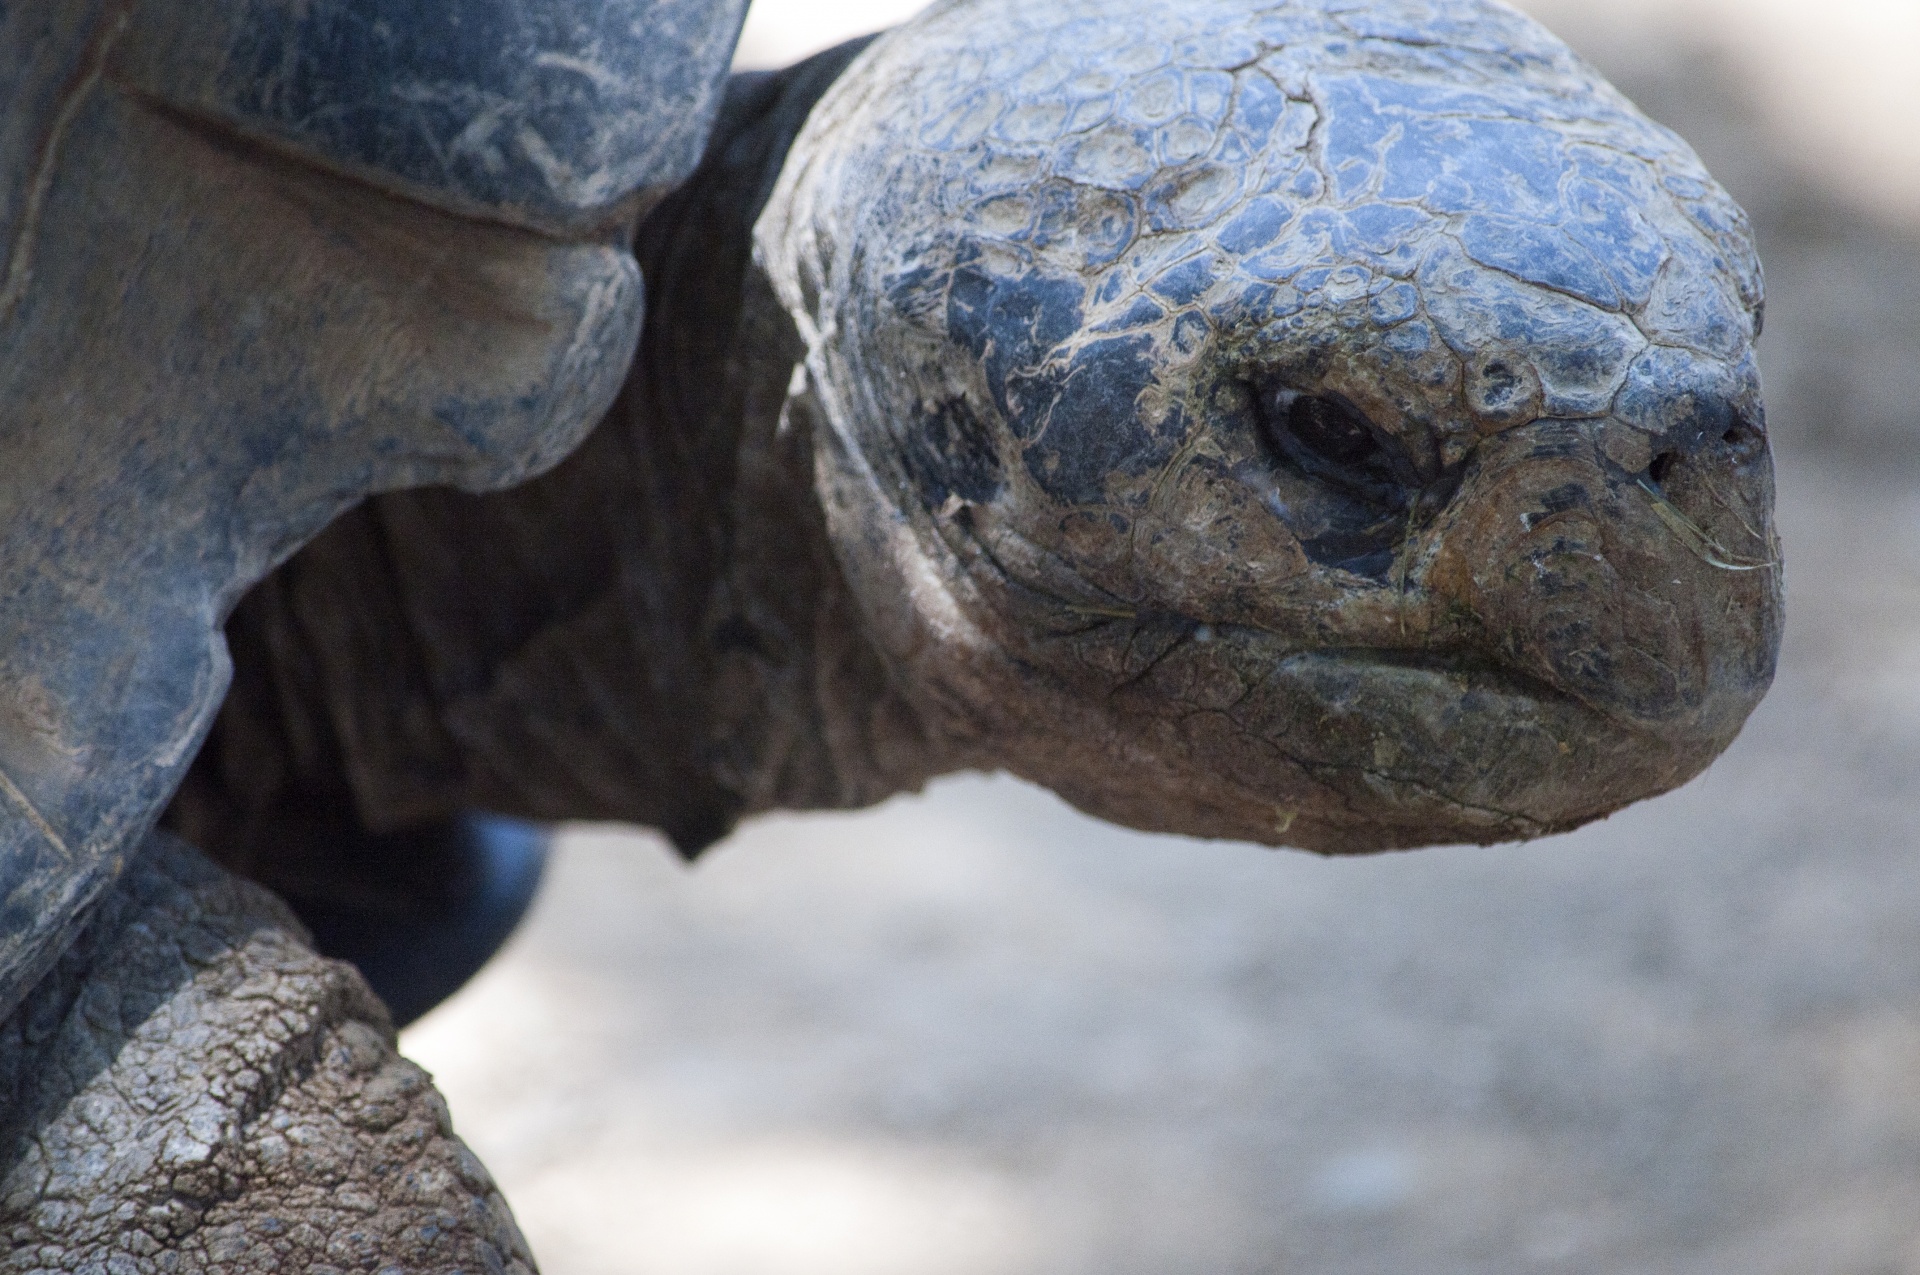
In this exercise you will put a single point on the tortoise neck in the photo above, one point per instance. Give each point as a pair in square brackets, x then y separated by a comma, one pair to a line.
[795, 709]
[656, 631]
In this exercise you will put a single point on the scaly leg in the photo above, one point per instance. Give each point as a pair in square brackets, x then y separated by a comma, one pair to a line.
[192, 1088]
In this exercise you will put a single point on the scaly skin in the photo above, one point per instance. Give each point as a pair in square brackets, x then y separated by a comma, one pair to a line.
[193, 1089]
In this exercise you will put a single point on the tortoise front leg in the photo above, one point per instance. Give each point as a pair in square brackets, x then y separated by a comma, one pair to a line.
[193, 1088]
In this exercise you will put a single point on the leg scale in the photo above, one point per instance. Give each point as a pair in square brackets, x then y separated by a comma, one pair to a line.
[194, 1089]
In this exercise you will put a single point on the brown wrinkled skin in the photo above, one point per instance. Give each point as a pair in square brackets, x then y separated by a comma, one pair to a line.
[193, 1089]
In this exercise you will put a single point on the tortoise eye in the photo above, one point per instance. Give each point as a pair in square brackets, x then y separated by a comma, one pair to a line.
[1327, 439]
[1331, 428]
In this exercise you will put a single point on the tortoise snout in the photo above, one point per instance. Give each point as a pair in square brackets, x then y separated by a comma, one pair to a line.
[1677, 410]
[1635, 573]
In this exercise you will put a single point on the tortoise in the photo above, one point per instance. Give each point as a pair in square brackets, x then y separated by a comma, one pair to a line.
[1322, 423]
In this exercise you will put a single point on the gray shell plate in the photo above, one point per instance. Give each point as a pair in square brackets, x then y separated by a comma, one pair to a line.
[233, 302]
[544, 111]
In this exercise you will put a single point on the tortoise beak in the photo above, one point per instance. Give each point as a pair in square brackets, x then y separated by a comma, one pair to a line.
[1601, 610]
[1636, 573]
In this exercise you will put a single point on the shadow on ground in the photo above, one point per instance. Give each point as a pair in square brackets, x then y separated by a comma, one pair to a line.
[974, 1032]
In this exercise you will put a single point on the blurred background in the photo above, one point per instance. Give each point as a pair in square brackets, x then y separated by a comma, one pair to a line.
[974, 1032]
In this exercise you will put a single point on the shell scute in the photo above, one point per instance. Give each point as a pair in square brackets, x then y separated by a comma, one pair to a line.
[1381, 230]
[1395, 303]
[1090, 431]
[1156, 99]
[1606, 224]
[1534, 253]
[1192, 198]
[1259, 105]
[1254, 226]
[1117, 155]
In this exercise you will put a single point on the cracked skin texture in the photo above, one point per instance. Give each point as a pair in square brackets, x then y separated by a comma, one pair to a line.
[193, 1089]
[1081, 289]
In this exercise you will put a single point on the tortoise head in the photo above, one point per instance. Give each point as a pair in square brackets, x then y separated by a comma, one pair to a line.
[1314, 423]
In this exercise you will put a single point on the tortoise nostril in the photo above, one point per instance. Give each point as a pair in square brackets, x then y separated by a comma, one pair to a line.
[1742, 438]
[1662, 466]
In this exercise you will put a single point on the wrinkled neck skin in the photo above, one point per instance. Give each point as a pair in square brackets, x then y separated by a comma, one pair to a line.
[654, 632]
[762, 691]
[796, 708]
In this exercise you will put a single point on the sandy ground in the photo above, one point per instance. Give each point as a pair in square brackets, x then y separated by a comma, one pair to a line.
[974, 1032]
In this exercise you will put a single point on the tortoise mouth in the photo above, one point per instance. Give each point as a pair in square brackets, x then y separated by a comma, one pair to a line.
[1420, 746]
[1250, 735]
[1449, 668]
[1458, 667]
